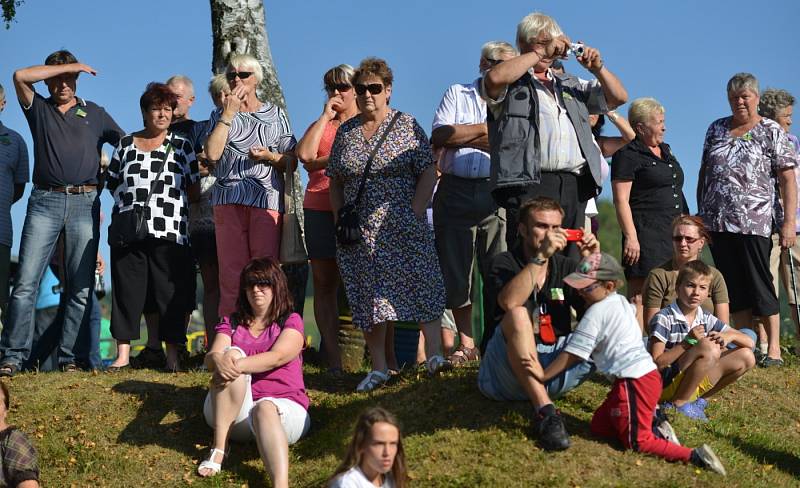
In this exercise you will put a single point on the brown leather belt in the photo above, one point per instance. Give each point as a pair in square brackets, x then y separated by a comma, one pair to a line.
[70, 189]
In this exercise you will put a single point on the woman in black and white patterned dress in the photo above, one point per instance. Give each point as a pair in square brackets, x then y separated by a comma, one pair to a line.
[252, 144]
[160, 265]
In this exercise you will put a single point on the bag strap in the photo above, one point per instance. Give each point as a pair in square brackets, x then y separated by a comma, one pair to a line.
[141, 218]
[372, 156]
[158, 175]
[288, 190]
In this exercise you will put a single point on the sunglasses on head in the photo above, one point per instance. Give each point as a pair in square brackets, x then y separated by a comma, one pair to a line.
[340, 87]
[373, 88]
[243, 75]
[689, 240]
[260, 283]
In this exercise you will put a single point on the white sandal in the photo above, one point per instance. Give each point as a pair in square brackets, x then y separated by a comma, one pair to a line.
[210, 464]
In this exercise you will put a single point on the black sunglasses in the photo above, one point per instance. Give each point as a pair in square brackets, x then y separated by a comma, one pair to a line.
[243, 75]
[260, 283]
[340, 87]
[373, 88]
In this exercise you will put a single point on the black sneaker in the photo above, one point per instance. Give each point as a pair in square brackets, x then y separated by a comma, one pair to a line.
[150, 359]
[552, 432]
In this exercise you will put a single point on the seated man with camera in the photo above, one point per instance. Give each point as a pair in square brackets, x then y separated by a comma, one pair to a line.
[528, 282]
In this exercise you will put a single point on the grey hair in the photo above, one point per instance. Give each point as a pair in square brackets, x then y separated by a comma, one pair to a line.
[773, 101]
[218, 85]
[532, 24]
[2, 92]
[743, 81]
[643, 109]
[184, 80]
[492, 50]
[248, 62]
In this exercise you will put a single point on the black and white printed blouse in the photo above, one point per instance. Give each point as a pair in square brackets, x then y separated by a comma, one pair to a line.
[131, 173]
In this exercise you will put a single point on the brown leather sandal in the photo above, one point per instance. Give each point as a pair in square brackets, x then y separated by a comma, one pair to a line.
[462, 355]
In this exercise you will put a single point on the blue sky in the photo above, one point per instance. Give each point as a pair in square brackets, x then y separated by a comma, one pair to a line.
[680, 52]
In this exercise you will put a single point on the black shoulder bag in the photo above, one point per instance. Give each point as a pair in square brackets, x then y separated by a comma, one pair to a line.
[348, 229]
[129, 227]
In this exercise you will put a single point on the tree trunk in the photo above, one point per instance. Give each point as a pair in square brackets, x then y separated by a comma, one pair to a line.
[239, 26]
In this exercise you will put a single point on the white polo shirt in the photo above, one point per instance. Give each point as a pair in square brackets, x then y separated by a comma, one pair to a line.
[462, 104]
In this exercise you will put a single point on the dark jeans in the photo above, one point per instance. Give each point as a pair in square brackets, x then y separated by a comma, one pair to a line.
[47, 334]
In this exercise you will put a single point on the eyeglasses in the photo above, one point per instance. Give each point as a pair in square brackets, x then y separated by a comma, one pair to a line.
[260, 284]
[589, 288]
[243, 75]
[373, 88]
[689, 240]
[340, 87]
[493, 62]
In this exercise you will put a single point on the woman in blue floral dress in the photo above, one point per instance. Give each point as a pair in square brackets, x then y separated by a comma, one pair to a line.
[393, 274]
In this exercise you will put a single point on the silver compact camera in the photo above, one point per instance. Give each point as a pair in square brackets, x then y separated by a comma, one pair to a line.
[576, 48]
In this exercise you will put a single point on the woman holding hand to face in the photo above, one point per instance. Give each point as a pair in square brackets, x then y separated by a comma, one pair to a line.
[252, 144]
[314, 150]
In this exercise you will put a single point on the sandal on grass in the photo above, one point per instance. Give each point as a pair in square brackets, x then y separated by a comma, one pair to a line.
[7, 370]
[463, 355]
[211, 465]
[373, 380]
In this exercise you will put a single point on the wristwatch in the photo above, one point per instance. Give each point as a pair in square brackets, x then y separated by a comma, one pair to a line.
[537, 260]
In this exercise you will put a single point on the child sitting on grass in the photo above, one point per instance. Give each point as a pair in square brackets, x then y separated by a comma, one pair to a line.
[609, 333]
[690, 346]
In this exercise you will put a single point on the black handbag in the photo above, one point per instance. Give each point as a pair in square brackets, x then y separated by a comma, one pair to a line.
[130, 227]
[348, 228]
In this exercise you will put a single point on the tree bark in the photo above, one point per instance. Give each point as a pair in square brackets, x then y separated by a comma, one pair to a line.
[239, 26]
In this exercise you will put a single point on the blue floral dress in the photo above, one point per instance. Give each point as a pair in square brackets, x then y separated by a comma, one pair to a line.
[393, 274]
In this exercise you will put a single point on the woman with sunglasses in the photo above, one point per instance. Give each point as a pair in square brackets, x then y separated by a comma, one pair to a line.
[393, 273]
[689, 235]
[647, 184]
[251, 144]
[313, 150]
[257, 387]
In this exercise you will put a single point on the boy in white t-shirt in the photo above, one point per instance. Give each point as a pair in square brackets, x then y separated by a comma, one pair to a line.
[609, 334]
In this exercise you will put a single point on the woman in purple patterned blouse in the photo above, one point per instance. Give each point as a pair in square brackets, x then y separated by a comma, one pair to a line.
[745, 158]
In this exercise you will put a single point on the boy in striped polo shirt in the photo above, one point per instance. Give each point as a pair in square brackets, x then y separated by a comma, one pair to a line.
[691, 347]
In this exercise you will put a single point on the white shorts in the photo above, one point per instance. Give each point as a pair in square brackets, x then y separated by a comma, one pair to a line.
[294, 418]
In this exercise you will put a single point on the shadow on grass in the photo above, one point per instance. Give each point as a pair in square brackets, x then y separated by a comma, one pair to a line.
[183, 433]
[424, 406]
[785, 461]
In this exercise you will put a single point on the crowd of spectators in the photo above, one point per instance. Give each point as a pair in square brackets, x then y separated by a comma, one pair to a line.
[512, 169]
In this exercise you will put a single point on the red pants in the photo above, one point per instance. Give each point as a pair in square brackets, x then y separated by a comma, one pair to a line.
[243, 233]
[627, 414]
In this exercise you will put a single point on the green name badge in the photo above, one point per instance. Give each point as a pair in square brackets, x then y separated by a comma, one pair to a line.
[4, 140]
[80, 113]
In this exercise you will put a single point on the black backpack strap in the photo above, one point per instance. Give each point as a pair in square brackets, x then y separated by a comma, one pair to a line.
[372, 153]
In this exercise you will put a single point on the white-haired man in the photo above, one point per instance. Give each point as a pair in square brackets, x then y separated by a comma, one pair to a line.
[539, 132]
[466, 221]
[183, 87]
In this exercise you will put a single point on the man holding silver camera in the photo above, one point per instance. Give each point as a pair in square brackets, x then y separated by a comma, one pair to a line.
[539, 131]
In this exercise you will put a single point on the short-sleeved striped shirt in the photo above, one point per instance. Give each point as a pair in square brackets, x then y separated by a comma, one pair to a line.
[669, 325]
[14, 170]
[240, 180]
